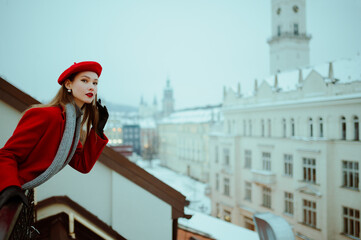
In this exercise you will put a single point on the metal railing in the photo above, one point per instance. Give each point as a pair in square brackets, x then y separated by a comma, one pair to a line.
[17, 220]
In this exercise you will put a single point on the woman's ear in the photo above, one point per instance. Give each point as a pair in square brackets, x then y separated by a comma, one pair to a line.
[68, 84]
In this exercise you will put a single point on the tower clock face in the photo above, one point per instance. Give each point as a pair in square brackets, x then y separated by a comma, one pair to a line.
[295, 8]
[278, 11]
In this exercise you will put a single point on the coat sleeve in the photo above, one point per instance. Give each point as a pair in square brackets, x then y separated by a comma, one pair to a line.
[86, 156]
[29, 130]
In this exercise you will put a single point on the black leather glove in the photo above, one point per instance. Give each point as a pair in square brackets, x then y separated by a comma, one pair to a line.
[12, 193]
[103, 118]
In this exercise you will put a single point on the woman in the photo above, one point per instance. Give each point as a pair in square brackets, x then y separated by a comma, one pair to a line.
[68, 130]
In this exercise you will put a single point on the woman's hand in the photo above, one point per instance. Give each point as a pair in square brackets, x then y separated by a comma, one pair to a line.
[103, 118]
[12, 193]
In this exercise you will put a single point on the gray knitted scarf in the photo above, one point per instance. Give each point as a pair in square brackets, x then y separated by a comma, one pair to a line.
[62, 157]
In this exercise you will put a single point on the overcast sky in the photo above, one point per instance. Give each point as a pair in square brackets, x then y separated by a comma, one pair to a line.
[201, 45]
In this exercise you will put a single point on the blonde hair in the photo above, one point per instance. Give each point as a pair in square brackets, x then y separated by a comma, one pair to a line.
[90, 111]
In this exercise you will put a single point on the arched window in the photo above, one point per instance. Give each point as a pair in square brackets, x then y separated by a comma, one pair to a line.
[292, 127]
[343, 128]
[262, 127]
[284, 127]
[310, 126]
[320, 121]
[356, 128]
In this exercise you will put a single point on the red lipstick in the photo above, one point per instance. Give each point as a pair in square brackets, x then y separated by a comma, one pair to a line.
[90, 95]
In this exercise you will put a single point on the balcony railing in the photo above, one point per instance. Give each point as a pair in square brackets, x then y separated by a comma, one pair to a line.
[264, 177]
[17, 220]
[301, 36]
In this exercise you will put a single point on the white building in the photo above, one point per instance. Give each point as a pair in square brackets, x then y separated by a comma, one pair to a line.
[184, 140]
[292, 146]
[148, 110]
[293, 151]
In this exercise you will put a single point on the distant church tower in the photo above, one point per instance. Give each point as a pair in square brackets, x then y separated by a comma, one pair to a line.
[168, 101]
[289, 43]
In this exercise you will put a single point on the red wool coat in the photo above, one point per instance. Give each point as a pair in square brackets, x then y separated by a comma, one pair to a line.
[34, 144]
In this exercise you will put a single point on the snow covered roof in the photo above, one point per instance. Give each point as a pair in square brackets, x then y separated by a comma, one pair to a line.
[200, 205]
[344, 70]
[196, 115]
[217, 228]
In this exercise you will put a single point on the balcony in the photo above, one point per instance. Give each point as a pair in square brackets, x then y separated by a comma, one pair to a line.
[17, 220]
[289, 35]
[264, 177]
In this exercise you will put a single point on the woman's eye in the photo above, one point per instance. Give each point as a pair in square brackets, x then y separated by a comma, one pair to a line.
[84, 80]
[95, 83]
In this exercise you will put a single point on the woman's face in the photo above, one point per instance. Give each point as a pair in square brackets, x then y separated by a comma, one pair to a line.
[83, 87]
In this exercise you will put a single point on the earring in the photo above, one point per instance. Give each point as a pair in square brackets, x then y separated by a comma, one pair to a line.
[69, 90]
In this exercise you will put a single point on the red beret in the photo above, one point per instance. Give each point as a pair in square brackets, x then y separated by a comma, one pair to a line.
[80, 67]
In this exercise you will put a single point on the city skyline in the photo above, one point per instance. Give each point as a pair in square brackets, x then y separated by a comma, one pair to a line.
[200, 46]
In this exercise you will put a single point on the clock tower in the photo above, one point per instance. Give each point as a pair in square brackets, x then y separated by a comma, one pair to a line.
[289, 43]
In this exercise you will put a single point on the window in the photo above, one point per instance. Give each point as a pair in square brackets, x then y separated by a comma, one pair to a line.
[250, 127]
[309, 213]
[226, 157]
[351, 222]
[216, 154]
[266, 160]
[217, 181]
[226, 187]
[343, 128]
[278, 30]
[350, 172]
[266, 201]
[249, 223]
[295, 28]
[310, 127]
[289, 203]
[269, 127]
[309, 170]
[320, 121]
[295, 8]
[247, 158]
[284, 127]
[292, 127]
[229, 126]
[218, 212]
[227, 216]
[288, 163]
[262, 128]
[248, 193]
[244, 127]
[356, 128]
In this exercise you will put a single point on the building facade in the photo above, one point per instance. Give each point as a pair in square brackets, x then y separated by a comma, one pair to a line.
[131, 136]
[184, 140]
[294, 152]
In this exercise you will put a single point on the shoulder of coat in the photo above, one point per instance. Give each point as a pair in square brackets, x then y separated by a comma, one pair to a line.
[47, 113]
